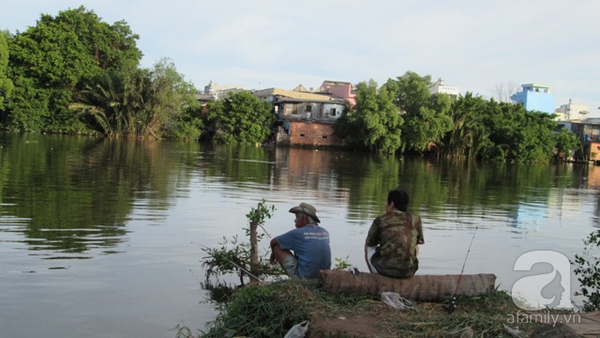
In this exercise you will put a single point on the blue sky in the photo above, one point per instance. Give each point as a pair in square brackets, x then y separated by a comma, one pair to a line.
[474, 45]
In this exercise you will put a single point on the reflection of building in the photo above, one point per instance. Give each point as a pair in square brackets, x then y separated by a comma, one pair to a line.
[440, 88]
[535, 97]
[571, 111]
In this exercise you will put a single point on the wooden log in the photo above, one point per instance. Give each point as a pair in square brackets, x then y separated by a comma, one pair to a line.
[428, 288]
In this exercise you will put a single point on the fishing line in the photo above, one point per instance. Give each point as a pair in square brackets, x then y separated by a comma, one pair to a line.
[453, 304]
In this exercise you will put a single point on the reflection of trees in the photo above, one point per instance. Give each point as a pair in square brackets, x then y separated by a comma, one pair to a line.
[77, 193]
[437, 187]
[241, 164]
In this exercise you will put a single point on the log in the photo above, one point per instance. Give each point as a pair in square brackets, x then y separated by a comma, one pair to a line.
[428, 288]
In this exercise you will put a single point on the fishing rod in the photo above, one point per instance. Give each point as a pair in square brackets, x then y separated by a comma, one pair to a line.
[232, 263]
[453, 305]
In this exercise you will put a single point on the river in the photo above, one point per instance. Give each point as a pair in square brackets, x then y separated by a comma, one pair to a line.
[103, 238]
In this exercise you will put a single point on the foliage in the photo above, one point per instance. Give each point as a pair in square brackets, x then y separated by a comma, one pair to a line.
[427, 117]
[410, 92]
[243, 257]
[241, 118]
[140, 102]
[566, 142]
[341, 263]
[374, 123]
[6, 84]
[588, 272]
[262, 311]
[469, 135]
[271, 310]
[49, 62]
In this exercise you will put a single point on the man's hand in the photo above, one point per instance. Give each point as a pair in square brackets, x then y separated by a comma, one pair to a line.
[272, 259]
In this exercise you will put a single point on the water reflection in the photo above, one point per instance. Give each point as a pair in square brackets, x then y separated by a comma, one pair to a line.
[72, 195]
[137, 207]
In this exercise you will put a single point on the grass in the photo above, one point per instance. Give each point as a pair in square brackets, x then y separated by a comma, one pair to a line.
[270, 310]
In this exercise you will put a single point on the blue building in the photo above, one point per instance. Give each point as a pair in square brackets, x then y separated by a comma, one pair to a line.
[535, 97]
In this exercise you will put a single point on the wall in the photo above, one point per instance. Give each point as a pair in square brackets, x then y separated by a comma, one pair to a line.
[308, 133]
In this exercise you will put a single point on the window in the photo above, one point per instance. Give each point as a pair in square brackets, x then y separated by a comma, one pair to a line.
[333, 112]
[302, 135]
[309, 108]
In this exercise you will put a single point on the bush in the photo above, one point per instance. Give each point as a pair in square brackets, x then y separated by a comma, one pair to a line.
[588, 272]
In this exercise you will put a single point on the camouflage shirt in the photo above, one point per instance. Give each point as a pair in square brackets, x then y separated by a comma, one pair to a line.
[396, 236]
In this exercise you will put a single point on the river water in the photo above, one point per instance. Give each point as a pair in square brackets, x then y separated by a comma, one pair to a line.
[103, 238]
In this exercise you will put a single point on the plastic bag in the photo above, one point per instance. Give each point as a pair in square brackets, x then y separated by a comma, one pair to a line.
[394, 300]
[298, 330]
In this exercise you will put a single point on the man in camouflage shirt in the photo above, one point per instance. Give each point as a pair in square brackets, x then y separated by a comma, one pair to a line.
[391, 245]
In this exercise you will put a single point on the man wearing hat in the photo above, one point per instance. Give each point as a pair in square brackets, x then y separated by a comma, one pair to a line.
[305, 250]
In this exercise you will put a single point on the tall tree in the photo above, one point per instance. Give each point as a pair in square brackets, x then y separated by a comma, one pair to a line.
[427, 116]
[6, 85]
[49, 62]
[469, 134]
[241, 118]
[140, 102]
[374, 123]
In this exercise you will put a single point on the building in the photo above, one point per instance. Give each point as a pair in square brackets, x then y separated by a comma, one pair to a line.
[588, 132]
[304, 118]
[535, 97]
[571, 111]
[439, 87]
[216, 91]
[340, 90]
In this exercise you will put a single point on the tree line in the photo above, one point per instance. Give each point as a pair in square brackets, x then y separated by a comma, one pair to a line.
[402, 116]
[75, 74]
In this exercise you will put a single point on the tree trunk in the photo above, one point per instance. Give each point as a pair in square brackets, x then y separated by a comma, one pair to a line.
[429, 288]
[254, 262]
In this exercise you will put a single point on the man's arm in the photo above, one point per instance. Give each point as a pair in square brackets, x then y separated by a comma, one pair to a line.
[273, 244]
[367, 258]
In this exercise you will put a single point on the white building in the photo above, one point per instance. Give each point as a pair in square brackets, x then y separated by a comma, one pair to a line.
[571, 111]
[440, 88]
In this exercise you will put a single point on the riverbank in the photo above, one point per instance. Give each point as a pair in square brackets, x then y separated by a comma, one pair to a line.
[271, 310]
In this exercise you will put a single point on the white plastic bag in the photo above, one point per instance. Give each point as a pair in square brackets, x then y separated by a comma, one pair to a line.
[394, 300]
[298, 330]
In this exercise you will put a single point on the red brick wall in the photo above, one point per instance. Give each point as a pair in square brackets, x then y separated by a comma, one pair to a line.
[310, 133]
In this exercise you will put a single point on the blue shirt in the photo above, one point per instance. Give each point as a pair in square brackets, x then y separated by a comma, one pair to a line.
[310, 245]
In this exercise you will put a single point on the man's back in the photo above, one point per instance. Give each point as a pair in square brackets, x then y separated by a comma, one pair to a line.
[397, 233]
[311, 247]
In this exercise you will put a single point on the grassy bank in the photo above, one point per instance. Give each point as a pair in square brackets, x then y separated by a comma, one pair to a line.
[271, 310]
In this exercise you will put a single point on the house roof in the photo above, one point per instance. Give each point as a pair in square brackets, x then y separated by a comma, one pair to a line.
[304, 96]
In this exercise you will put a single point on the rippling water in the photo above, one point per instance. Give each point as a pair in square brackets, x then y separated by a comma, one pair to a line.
[103, 238]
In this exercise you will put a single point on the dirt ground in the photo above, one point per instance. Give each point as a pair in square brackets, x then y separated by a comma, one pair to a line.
[366, 325]
[377, 320]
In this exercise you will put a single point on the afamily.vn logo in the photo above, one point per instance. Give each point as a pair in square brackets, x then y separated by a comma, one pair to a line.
[550, 290]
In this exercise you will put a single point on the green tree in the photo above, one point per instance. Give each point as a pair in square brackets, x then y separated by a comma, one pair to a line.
[410, 92]
[241, 118]
[374, 123]
[517, 134]
[425, 130]
[141, 103]
[469, 134]
[6, 85]
[427, 116]
[49, 62]
[565, 142]
[173, 110]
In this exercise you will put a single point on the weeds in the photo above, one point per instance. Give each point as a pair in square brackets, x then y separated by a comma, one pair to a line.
[588, 272]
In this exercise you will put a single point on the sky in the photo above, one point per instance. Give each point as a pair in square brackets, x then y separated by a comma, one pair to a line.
[476, 45]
